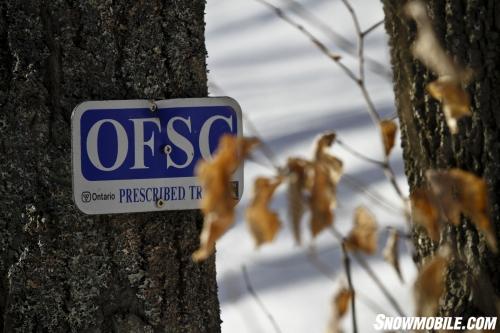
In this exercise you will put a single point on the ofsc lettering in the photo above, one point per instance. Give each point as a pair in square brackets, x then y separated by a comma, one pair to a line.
[141, 143]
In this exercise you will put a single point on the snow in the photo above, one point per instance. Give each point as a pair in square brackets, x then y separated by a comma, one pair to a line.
[291, 92]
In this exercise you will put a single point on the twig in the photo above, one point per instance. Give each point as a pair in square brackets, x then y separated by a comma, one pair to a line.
[379, 283]
[361, 58]
[394, 116]
[375, 197]
[373, 27]
[321, 267]
[391, 175]
[317, 263]
[257, 299]
[360, 81]
[322, 47]
[357, 26]
[347, 268]
[389, 172]
[362, 262]
[340, 41]
[358, 154]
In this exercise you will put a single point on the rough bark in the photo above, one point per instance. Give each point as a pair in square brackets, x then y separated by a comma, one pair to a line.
[469, 30]
[63, 271]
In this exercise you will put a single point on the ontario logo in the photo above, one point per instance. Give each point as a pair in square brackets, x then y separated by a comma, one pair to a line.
[89, 197]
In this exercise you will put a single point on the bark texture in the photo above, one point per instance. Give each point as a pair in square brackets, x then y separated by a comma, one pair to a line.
[62, 271]
[470, 31]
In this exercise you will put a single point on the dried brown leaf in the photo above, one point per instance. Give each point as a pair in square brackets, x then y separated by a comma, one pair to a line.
[428, 49]
[449, 87]
[218, 202]
[341, 301]
[430, 284]
[363, 236]
[459, 191]
[340, 305]
[333, 165]
[298, 179]
[391, 252]
[425, 213]
[455, 100]
[322, 200]
[214, 227]
[388, 129]
[323, 143]
[263, 223]
[327, 172]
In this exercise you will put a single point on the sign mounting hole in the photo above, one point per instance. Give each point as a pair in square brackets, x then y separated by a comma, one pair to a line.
[160, 203]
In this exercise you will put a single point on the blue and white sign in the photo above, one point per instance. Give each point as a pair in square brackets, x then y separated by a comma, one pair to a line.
[137, 155]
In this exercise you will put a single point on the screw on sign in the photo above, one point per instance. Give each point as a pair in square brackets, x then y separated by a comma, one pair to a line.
[167, 149]
[138, 155]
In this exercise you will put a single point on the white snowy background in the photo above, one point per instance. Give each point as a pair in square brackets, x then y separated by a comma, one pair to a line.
[291, 92]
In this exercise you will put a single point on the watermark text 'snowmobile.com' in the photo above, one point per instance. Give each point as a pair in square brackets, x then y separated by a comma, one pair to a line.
[384, 323]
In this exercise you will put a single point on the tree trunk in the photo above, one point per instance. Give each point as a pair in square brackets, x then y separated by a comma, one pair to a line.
[63, 271]
[469, 30]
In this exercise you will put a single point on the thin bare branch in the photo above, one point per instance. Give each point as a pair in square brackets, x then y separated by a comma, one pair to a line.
[340, 41]
[347, 267]
[265, 164]
[322, 47]
[394, 116]
[373, 27]
[383, 164]
[357, 26]
[389, 172]
[257, 299]
[361, 59]
[358, 154]
[321, 267]
[391, 175]
[375, 197]
[362, 262]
